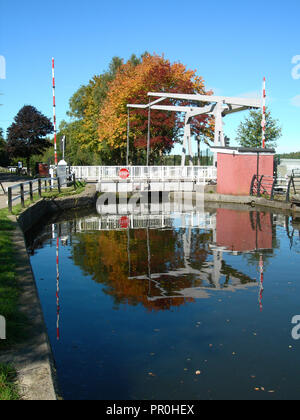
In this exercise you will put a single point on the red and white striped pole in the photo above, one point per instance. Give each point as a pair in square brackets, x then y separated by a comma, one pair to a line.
[57, 287]
[261, 281]
[54, 113]
[263, 124]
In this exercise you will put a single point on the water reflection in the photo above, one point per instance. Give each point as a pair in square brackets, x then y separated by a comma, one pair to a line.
[163, 260]
[140, 282]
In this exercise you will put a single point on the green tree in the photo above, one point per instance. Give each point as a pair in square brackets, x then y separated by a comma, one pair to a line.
[84, 110]
[26, 136]
[249, 133]
[4, 159]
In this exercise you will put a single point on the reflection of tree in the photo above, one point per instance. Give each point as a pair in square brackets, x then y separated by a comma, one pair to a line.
[153, 267]
[104, 256]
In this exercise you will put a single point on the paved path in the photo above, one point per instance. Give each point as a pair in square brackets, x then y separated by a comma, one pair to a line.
[8, 180]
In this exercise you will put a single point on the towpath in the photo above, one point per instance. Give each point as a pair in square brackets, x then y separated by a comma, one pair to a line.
[8, 180]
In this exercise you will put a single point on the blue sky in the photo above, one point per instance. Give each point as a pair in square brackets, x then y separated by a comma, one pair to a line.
[231, 44]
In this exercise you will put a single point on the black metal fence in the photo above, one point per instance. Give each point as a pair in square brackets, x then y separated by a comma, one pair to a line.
[37, 186]
[274, 187]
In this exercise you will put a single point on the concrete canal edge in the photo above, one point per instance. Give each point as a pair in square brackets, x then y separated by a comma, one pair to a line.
[258, 202]
[33, 358]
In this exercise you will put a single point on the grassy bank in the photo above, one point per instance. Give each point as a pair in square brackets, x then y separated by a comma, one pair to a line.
[8, 387]
[9, 296]
[9, 288]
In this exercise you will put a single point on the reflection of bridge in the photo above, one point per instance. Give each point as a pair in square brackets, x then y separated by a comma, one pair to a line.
[152, 221]
[199, 269]
[214, 273]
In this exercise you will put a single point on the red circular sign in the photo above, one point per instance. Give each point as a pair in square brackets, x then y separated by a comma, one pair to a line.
[124, 222]
[124, 173]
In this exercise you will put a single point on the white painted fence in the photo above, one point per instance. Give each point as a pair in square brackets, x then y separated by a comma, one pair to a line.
[161, 173]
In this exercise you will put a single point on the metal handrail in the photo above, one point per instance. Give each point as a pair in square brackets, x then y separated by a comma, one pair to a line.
[48, 184]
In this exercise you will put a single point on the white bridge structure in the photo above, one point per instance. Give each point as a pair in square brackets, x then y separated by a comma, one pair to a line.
[146, 178]
[216, 107]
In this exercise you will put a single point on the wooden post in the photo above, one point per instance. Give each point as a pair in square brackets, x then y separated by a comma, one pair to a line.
[40, 187]
[22, 195]
[9, 198]
[74, 181]
[31, 191]
[58, 185]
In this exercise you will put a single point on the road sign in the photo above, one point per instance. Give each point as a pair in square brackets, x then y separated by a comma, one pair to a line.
[124, 222]
[124, 173]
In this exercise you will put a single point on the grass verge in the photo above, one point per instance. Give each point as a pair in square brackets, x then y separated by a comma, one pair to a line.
[8, 386]
[9, 287]
[16, 323]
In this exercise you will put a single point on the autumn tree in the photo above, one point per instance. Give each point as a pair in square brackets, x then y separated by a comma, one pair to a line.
[131, 85]
[26, 136]
[249, 132]
[84, 109]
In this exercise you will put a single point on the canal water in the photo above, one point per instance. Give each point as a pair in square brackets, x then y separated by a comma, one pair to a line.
[171, 306]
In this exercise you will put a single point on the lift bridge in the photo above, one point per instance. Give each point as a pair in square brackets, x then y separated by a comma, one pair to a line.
[127, 178]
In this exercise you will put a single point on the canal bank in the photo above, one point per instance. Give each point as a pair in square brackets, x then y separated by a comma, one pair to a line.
[219, 199]
[32, 356]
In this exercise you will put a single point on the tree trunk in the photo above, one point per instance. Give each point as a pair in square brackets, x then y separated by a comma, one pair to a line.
[28, 165]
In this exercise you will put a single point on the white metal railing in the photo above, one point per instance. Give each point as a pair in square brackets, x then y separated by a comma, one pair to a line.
[112, 173]
[153, 221]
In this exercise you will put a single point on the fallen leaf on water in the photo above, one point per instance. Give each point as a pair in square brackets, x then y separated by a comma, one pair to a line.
[151, 374]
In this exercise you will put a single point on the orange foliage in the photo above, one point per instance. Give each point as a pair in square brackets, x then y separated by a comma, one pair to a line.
[131, 85]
